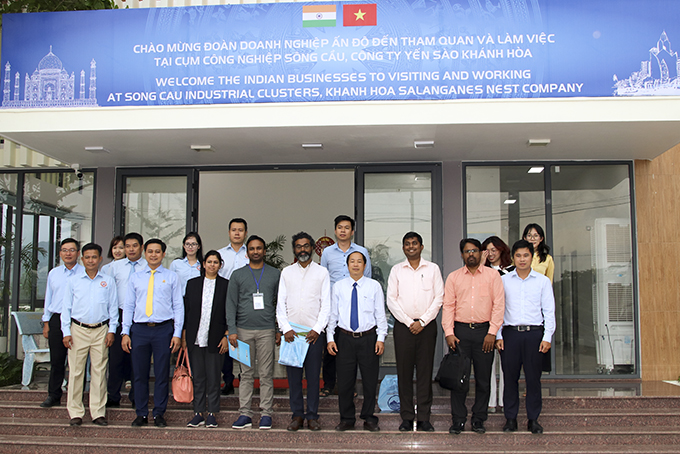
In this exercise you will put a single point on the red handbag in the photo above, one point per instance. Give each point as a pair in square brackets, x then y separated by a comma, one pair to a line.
[182, 380]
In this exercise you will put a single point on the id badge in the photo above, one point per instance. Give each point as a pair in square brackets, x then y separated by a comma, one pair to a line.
[258, 301]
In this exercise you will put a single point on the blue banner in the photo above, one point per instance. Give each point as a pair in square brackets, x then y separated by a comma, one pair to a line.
[302, 52]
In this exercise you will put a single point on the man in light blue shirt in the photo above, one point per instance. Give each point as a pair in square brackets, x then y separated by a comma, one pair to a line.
[120, 364]
[89, 319]
[334, 259]
[358, 312]
[528, 327]
[54, 298]
[235, 256]
[152, 324]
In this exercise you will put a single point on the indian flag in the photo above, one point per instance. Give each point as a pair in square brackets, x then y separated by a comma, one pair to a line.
[318, 16]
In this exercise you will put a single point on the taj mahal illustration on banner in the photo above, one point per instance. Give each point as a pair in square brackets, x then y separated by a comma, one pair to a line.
[49, 86]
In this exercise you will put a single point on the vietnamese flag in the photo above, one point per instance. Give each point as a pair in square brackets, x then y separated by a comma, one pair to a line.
[358, 15]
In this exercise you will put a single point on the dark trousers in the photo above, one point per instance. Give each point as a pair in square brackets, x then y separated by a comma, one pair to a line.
[205, 368]
[415, 351]
[55, 341]
[228, 370]
[148, 340]
[521, 349]
[471, 341]
[312, 368]
[120, 366]
[352, 353]
[329, 370]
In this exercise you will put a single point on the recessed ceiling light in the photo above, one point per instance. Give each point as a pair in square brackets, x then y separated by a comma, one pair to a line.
[538, 142]
[97, 149]
[199, 148]
[510, 201]
[423, 143]
[312, 146]
[536, 169]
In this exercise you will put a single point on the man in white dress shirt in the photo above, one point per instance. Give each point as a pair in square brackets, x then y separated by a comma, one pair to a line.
[235, 256]
[528, 326]
[305, 299]
[358, 312]
[89, 319]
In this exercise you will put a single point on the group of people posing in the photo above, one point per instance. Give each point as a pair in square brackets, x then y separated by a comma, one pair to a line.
[210, 303]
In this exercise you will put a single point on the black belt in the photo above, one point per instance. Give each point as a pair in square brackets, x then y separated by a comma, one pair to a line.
[474, 325]
[522, 328]
[357, 335]
[152, 324]
[85, 325]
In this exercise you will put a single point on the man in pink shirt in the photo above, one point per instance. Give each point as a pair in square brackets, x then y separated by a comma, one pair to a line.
[415, 291]
[474, 303]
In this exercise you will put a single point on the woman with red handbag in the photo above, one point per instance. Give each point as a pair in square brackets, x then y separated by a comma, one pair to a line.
[205, 336]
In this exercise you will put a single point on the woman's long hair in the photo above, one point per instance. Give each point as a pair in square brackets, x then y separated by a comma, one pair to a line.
[199, 251]
[506, 258]
[542, 249]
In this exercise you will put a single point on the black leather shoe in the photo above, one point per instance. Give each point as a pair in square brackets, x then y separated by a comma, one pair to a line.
[343, 426]
[406, 426]
[140, 421]
[76, 421]
[457, 428]
[101, 421]
[534, 427]
[112, 403]
[159, 421]
[371, 426]
[50, 402]
[510, 425]
[424, 426]
[228, 389]
[478, 427]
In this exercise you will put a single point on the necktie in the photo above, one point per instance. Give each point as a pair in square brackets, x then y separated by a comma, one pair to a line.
[354, 314]
[149, 296]
[132, 269]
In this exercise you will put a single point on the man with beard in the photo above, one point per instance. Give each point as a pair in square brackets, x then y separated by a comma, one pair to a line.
[305, 299]
[474, 304]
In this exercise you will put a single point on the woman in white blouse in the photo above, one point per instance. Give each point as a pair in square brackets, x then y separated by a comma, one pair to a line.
[206, 337]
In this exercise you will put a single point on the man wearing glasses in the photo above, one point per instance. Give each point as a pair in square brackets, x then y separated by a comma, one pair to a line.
[54, 296]
[472, 313]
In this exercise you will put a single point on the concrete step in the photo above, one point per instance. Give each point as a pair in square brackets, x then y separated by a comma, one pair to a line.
[553, 419]
[61, 432]
[440, 402]
[20, 444]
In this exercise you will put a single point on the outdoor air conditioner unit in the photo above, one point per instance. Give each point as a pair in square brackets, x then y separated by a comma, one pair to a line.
[613, 314]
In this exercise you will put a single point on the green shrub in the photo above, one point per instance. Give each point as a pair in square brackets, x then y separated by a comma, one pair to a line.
[10, 370]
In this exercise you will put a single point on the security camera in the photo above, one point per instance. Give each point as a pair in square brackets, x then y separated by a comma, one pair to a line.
[76, 169]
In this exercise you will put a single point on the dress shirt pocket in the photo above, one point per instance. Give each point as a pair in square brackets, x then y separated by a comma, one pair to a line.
[367, 311]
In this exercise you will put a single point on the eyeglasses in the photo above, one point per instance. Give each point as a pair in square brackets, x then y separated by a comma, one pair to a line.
[534, 237]
[299, 247]
[192, 245]
[471, 251]
[72, 250]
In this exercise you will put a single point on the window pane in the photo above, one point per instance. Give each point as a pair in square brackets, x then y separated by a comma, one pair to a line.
[156, 207]
[395, 203]
[501, 200]
[8, 205]
[57, 205]
[593, 270]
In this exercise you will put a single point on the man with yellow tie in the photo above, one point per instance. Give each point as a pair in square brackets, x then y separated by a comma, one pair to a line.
[152, 324]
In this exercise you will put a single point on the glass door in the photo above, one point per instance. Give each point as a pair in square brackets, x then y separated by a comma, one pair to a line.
[394, 201]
